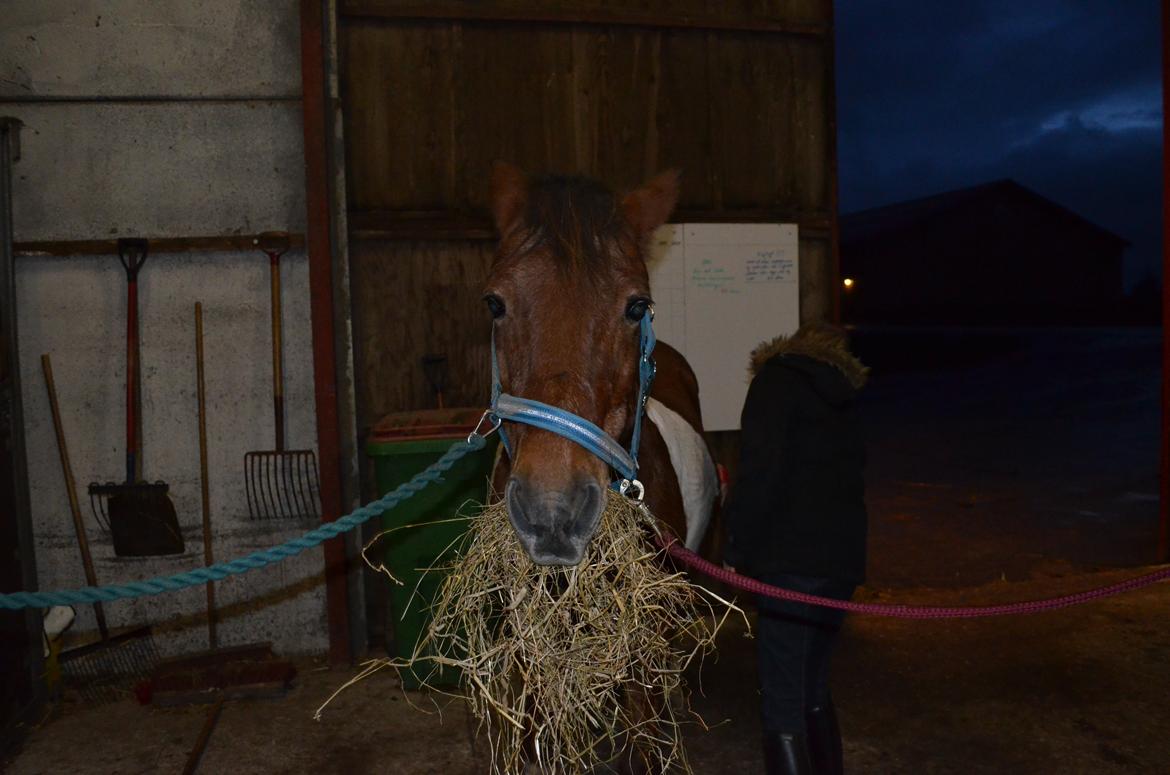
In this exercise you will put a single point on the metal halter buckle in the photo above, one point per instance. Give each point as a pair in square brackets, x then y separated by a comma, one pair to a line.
[634, 485]
[487, 415]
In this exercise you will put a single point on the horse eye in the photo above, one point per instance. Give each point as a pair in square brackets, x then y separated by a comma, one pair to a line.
[636, 309]
[495, 304]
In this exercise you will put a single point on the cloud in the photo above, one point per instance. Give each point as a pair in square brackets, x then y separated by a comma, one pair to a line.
[1112, 177]
[1062, 95]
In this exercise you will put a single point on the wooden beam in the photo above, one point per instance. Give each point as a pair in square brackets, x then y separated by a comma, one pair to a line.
[835, 288]
[438, 225]
[538, 13]
[234, 243]
[1164, 518]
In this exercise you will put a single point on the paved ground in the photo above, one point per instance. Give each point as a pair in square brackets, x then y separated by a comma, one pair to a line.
[1016, 466]
[1012, 453]
[1077, 691]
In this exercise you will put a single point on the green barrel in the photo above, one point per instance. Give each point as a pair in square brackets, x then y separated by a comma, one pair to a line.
[401, 445]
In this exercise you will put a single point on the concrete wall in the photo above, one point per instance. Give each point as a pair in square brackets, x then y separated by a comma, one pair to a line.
[163, 119]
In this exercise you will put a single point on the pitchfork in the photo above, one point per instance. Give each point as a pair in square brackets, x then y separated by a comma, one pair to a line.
[281, 483]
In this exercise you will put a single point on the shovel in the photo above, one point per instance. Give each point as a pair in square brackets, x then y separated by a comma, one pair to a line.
[280, 483]
[140, 515]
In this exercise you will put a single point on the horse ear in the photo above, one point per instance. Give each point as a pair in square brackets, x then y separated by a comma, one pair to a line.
[509, 195]
[648, 207]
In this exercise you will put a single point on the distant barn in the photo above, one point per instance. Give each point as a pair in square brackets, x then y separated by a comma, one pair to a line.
[996, 253]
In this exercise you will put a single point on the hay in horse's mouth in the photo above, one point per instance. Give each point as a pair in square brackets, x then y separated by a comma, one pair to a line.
[564, 667]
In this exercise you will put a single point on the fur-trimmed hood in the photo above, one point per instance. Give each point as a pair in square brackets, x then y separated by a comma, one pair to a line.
[817, 343]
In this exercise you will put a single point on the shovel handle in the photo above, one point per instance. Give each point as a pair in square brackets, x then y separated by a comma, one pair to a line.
[132, 254]
[276, 244]
[208, 553]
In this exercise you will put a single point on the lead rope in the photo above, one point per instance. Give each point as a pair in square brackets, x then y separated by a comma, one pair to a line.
[672, 547]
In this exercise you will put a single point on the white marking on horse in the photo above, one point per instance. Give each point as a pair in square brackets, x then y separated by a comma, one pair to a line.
[697, 478]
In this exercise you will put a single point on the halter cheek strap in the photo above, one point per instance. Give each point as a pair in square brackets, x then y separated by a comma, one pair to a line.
[577, 429]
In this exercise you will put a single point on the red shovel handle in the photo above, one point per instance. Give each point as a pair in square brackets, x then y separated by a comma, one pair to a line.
[132, 253]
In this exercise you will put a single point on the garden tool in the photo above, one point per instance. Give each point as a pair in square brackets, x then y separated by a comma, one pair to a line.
[204, 485]
[98, 670]
[280, 483]
[140, 515]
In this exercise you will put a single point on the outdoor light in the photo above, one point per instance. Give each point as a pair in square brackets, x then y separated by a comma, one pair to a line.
[848, 282]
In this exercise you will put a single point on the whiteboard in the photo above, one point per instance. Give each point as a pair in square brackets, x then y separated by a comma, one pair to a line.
[720, 289]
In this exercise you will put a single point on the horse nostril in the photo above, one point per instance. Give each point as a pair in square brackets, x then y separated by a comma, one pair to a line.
[517, 511]
[586, 514]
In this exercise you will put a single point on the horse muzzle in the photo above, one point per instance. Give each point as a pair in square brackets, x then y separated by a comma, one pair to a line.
[554, 526]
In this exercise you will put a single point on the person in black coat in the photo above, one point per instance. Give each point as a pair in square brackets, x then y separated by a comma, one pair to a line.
[796, 519]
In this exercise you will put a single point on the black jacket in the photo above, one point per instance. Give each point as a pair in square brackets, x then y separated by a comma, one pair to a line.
[798, 503]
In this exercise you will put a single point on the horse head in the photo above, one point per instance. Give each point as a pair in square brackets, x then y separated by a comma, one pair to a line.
[567, 290]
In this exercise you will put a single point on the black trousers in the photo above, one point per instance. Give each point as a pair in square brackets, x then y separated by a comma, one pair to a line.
[794, 643]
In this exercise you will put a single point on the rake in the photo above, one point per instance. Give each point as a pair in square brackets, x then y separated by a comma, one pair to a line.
[280, 483]
[99, 671]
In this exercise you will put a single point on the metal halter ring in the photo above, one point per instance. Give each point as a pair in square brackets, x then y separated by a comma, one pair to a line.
[495, 421]
[634, 485]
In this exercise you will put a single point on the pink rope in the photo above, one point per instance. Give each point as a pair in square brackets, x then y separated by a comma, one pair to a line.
[733, 579]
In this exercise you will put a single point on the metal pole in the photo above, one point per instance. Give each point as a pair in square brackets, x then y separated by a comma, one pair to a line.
[12, 424]
[351, 493]
[317, 240]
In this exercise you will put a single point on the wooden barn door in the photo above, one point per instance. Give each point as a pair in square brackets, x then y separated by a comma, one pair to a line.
[739, 96]
[741, 100]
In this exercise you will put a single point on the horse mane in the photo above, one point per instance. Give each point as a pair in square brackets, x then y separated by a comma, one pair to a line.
[577, 220]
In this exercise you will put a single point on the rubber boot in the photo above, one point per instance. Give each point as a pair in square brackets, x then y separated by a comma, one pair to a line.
[824, 740]
[786, 754]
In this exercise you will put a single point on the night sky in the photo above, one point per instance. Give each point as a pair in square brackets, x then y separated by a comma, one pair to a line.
[1062, 95]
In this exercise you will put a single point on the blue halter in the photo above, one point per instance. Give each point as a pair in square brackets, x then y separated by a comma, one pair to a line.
[577, 429]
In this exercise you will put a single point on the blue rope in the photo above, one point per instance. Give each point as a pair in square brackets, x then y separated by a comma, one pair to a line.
[433, 473]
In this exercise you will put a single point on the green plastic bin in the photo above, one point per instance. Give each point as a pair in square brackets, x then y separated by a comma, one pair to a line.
[401, 445]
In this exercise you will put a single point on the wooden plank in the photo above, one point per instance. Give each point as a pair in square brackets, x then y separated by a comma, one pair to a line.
[618, 104]
[777, 158]
[683, 117]
[816, 293]
[232, 243]
[439, 225]
[400, 95]
[414, 298]
[745, 21]
[517, 98]
[813, 127]
[830, 86]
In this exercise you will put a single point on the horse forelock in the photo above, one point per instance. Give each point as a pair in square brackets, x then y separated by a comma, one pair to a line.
[578, 223]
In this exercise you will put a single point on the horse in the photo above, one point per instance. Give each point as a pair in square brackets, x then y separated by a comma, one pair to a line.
[567, 290]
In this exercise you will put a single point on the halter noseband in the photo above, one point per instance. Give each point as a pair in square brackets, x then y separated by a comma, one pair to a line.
[577, 429]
